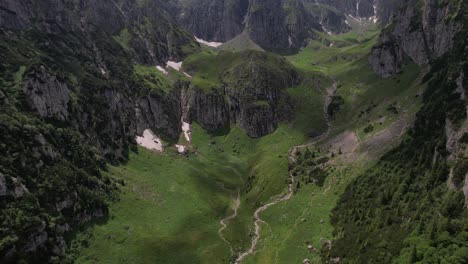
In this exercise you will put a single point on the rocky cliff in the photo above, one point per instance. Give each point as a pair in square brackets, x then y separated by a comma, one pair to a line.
[70, 102]
[421, 31]
[250, 93]
[213, 20]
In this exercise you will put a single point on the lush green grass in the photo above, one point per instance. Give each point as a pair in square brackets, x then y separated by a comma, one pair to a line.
[168, 211]
[304, 219]
[171, 205]
[171, 202]
[210, 70]
[153, 78]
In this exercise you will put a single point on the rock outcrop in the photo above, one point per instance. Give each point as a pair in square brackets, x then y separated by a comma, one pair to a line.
[73, 105]
[47, 95]
[421, 34]
[218, 21]
[252, 94]
[281, 26]
[142, 27]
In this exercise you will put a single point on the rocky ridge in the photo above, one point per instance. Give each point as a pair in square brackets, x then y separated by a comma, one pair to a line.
[420, 33]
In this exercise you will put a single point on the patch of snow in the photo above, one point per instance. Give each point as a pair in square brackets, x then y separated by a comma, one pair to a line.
[102, 71]
[174, 65]
[357, 8]
[188, 75]
[328, 32]
[290, 41]
[357, 19]
[347, 23]
[208, 43]
[150, 141]
[332, 44]
[375, 18]
[187, 130]
[161, 69]
[180, 149]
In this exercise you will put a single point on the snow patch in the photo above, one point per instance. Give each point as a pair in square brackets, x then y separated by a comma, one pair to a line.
[174, 65]
[180, 149]
[357, 8]
[188, 75]
[347, 23]
[187, 130]
[102, 71]
[290, 41]
[328, 32]
[150, 141]
[161, 69]
[355, 18]
[375, 18]
[208, 43]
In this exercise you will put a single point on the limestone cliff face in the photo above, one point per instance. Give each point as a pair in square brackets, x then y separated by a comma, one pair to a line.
[279, 26]
[146, 29]
[70, 103]
[356, 8]
[422, 34]
[47, 95]
[218, 21]
[252, 95]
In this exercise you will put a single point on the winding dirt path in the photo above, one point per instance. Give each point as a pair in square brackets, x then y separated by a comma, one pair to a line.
[330, 93]
[223, 223]
[259, 221]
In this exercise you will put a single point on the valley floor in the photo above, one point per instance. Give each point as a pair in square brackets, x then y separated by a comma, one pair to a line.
[178, 209]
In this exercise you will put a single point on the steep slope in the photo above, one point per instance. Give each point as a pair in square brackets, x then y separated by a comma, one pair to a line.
[71, 102]
[213, 20]
[247, 88]
[411, 205]
[420, 31]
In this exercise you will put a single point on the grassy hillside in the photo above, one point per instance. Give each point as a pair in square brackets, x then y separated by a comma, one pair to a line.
[171, 205]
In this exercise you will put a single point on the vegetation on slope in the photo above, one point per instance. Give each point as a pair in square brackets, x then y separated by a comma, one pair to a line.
[401, 209]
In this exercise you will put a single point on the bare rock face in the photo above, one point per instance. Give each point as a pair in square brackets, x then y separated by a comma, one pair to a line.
[160, 113]
[252, 95]
[3, 187]
[387, 57]
[420, 34]
[47, 95]
[356, 8]
[219, 20]
[210, 109]
[151, 34]
[279, 26]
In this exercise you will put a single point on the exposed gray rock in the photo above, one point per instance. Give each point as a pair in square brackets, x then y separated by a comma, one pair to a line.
[386, 58]
[37, 238]
[19, 190]
[210, 109]
[3, 99]
[150, 43]
[422, 35]
[47, 95]
[219, 20]
[3, 187]
[160, 113]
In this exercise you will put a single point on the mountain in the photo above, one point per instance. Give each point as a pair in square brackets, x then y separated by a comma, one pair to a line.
[289, 23]
[422, 34]
[127, 135]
